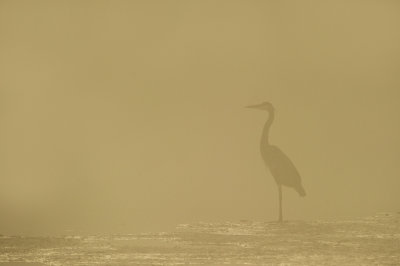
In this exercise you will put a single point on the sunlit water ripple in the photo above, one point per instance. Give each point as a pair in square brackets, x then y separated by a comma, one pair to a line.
[369, 241]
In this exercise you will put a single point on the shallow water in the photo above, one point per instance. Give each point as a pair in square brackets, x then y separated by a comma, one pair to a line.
[369, 241]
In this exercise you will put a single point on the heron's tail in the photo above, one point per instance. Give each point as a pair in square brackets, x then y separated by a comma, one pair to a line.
[300, 190]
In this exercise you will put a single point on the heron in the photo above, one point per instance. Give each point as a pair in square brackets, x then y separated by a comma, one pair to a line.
[279, 165]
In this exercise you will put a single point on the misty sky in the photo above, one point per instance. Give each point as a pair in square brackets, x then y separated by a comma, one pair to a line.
[127, 116]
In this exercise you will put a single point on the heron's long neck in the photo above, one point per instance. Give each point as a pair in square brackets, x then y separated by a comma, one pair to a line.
[265, 133]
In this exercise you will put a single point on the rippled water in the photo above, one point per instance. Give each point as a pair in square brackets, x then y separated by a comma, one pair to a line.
[369, 241]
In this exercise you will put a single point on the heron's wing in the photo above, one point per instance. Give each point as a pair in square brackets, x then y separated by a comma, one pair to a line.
[282, 168]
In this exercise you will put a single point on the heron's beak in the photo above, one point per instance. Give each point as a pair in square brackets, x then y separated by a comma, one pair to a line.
[257, 106]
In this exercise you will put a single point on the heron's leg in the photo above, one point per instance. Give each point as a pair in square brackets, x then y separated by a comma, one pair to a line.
[280, 203]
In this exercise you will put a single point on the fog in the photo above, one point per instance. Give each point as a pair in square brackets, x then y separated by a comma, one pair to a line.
[128, 116]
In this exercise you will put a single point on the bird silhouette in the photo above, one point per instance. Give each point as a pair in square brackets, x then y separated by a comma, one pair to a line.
[280, 166]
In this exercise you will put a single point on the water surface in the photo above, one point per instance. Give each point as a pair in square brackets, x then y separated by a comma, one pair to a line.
[369, 241]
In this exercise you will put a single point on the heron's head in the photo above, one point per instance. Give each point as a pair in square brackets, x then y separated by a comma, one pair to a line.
[266, 106]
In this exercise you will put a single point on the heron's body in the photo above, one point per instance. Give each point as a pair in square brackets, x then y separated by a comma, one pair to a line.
[280, 166]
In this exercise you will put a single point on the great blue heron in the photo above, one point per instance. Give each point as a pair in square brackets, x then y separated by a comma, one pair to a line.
[280, 166]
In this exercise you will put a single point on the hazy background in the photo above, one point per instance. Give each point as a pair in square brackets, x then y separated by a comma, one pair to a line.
[127, 116]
